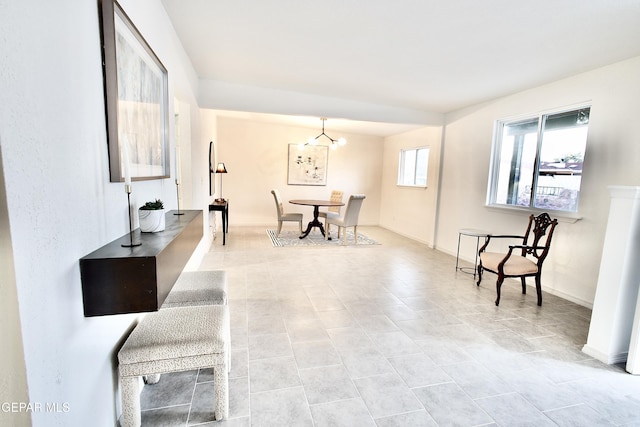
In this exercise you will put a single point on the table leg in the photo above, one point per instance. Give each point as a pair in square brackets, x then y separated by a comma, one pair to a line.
[314, 223]
[458, 251]
[475, 263]
[224, 226]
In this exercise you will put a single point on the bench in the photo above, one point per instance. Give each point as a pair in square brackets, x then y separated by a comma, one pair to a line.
[195, 288]
[172, 340]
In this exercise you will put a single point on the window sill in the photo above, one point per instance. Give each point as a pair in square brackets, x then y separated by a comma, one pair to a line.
[568, 217]
[424, 187]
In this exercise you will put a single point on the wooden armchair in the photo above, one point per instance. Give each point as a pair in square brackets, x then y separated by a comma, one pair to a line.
[513, 265]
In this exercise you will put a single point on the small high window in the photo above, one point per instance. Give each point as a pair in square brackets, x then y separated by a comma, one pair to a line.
[537, 161]
[412, 167]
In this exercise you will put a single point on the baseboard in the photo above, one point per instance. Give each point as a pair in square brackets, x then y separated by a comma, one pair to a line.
[424, 242]
[609, 359]
[568, 297]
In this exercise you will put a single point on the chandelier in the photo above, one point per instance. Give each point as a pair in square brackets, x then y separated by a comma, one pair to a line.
[314, 141]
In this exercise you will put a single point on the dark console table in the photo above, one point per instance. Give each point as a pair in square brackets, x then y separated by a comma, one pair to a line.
[224, 208]
[117, 280]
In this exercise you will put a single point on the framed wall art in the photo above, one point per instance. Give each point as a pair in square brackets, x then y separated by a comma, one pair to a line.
[136, 100]
[308, 166]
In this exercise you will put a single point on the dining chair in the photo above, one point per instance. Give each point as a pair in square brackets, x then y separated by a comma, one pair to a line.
[511, 265]
[332, 211]
[282, 216]
[349, 219]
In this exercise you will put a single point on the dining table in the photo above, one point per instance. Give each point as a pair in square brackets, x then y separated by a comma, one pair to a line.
[316, 210]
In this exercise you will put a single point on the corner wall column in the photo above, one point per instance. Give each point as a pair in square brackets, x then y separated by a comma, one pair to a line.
[616, 296]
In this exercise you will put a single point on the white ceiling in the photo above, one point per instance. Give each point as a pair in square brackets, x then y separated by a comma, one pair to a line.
[428, 55]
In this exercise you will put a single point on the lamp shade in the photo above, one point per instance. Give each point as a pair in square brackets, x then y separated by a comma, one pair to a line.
[221, 168]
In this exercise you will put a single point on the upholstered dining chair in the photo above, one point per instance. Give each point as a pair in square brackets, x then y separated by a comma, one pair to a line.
[522, 260]
[332, 211]
[282, 216]
[349, 219]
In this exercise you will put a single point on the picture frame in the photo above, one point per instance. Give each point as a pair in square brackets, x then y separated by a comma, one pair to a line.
[307, 166]
[212, 172]
[136, 100]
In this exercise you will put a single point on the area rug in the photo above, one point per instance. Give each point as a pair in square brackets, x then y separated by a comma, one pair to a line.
[315, 238]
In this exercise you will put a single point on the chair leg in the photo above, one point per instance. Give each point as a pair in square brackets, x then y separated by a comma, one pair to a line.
[498, 286]
[326, 231]
[355, 234]
[279, 228]
[344, 235]
[524, 285]
[300, 223]
[539, 289]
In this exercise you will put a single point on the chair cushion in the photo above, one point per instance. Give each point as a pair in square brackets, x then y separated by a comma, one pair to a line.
[516, 265]
[292, 217]
[328, 214]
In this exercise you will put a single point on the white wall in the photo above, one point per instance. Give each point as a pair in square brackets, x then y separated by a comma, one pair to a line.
[612, 158]
[209, 133]
[61, 204]
[13, 376]
[255, 155]
[411, 211]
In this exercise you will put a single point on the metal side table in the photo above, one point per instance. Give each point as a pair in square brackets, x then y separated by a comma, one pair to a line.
[472, 233]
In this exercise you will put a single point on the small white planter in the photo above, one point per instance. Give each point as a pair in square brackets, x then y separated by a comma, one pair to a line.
[151, 221]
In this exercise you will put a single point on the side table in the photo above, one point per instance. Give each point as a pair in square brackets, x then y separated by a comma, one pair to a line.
[223, 207]
[472, 233]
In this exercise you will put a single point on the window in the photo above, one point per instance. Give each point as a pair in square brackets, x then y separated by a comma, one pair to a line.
[537, 161]
[412, 168]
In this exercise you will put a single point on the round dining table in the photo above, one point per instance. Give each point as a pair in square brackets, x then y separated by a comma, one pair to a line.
[316, 210]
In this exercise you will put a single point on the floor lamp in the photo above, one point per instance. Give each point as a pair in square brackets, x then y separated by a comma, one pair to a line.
[221, 169]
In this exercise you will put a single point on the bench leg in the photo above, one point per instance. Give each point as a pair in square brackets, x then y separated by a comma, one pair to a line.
[221, 391]
[130, 401]
[151, 379]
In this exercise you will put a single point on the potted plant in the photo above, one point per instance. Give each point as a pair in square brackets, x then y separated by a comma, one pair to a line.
[151, 216]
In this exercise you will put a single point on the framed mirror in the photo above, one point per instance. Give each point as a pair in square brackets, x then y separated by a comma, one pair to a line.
[212, 165]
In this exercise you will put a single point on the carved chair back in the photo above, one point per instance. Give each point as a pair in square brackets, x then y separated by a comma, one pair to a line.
[542, 225]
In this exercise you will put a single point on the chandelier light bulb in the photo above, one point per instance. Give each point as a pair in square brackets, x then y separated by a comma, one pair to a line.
[314, 141]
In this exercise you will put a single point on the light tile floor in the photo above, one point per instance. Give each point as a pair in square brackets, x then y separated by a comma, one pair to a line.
[391, 335]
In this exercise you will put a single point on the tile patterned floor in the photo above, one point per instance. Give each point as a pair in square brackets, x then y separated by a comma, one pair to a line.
[391, 335]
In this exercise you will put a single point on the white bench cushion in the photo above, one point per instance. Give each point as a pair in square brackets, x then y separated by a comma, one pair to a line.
[198, 288]
[174, 334]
